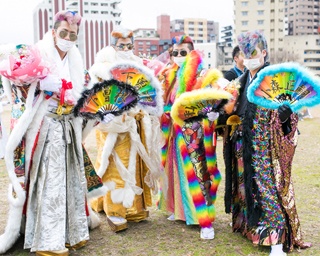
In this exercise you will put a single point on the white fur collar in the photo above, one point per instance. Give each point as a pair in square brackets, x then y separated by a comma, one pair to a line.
[104, 59]
[76, 68]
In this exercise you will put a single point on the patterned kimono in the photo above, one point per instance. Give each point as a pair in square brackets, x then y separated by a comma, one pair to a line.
[259, 189]
[50, 162]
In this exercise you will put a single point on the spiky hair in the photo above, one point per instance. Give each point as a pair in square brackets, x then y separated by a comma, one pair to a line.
[120, 32]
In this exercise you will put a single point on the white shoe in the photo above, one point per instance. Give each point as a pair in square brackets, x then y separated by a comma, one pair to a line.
[277, 250]
[207, 233]
[171, 217]
[117, 220]
[278, 254]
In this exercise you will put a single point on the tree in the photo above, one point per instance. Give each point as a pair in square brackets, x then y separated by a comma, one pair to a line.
[283, 56]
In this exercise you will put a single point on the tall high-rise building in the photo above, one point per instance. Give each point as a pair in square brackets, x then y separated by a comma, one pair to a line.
[302, 17]
[264, 15]
[201, 30]
[98, 20]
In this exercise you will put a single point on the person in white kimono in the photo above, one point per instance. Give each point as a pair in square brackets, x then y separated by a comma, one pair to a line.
[50, 186]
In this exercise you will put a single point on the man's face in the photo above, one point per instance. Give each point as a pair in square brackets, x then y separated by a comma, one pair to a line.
[124, 44]
[180, 50]
[66, 31]
[256, 59]
[239, 59]
[256, 53]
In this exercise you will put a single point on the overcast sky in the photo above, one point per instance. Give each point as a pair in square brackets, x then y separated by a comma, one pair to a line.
[16, 15]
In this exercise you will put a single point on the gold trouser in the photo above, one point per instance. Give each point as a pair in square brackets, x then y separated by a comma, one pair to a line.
[141, 202]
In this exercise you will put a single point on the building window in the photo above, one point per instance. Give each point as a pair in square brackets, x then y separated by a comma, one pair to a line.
[140, 43]
[244, 23]
[244, 3]
[209, 55]
[245, 13]
[153, 47]
[260, 12]
[260, 2]
[260, 22]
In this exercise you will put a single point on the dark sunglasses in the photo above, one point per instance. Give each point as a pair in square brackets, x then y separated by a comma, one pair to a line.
[182, 53]
[122, 46]
[72, 36]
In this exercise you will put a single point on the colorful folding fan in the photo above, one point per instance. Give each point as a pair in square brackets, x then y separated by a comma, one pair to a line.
[287, 83]
[197, 103]
[144, 81]
[106, 97]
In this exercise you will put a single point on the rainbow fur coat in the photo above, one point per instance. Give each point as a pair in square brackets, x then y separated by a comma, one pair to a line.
[184, 196]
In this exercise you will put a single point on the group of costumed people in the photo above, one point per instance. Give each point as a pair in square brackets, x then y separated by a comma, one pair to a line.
[156, 132]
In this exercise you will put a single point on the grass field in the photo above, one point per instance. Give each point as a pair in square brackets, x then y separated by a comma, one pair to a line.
[158, 236]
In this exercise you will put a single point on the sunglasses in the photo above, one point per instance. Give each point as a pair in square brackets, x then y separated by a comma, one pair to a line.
[122, 46]
[72, 36]
[182, 53]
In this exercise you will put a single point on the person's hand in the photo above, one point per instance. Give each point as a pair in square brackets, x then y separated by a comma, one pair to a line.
[51, 83]
[212, 116]
[107, 118]
[284, 113]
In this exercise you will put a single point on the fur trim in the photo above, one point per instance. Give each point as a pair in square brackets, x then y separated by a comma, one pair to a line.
[210, 78]
[123, 195]
[98, 192]
[300, 74]
[192, 99]
[94, 220]
[7, 88]
[33, 131]
[12, 231]
[188, 73]
[76, 67]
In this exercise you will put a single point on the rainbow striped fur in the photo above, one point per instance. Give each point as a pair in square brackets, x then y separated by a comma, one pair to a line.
[188, 72]
[210, 78]
[205, 214]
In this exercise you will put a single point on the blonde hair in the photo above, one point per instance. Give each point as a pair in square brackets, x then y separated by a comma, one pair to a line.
[121, 32]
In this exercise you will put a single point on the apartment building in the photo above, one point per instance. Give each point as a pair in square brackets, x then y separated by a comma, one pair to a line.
[302, 17]
[265, 15]
[305, 50]
[201, 30]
